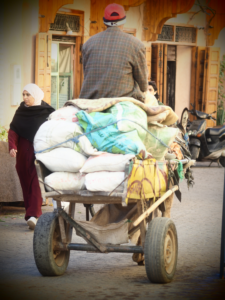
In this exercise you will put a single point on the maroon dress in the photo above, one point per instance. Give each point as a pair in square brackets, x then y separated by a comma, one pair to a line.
[27, 174]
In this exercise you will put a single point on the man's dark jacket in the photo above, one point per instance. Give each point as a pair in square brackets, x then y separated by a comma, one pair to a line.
[114, 65]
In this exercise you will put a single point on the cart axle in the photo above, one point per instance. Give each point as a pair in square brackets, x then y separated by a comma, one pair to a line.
[109, 248]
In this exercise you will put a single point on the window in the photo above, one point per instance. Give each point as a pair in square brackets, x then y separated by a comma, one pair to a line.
[62, 60]
[185, 34]
[179, 34]
[63, 21]
[167, 33]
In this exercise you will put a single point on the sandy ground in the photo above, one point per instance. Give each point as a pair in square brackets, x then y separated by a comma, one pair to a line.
[115, 276]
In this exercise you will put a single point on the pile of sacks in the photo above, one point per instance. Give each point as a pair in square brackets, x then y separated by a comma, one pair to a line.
[77, 166]
[96, 161]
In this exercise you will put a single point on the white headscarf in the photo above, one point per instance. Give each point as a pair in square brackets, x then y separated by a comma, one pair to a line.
[35, 92]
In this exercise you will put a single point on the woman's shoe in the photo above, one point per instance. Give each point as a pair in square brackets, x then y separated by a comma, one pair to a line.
[32, 223]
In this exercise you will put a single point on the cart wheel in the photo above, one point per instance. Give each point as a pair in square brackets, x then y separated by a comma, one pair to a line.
[46, 234]
[161, 249]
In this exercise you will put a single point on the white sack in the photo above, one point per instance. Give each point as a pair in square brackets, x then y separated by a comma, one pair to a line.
[106, 162]
[103, 181]
[65, 114]
[53, 132]
[62, 159]
[65, 181]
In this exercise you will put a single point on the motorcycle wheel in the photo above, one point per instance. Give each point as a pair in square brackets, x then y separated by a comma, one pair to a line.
[194, 152]
[222, 161]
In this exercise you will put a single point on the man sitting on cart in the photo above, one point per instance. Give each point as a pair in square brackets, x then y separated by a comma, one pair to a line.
[114, 62]
[114, 65]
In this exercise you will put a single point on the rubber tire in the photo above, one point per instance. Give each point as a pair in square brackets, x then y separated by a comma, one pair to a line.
[43, 247]
[194, 151]
[154, 250]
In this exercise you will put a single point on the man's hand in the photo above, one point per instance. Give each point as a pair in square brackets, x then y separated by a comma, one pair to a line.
[12, 152]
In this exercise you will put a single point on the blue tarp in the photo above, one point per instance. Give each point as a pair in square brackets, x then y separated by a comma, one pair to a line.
[109, 139]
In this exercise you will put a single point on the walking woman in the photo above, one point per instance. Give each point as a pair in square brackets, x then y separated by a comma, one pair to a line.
[29, 116]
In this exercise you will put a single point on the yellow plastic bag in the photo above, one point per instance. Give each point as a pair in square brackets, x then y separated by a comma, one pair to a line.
[148, 179]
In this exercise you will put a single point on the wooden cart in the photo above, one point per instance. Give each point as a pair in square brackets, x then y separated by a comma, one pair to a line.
[53, 233]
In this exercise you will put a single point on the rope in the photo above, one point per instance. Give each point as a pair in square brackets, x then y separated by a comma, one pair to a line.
[76, 139]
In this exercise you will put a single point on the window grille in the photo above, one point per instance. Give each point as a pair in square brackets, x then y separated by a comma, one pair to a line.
[61, 20]
[185, 34]
[167, 33]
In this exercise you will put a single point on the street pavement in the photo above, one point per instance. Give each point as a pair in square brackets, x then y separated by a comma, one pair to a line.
[115, 276]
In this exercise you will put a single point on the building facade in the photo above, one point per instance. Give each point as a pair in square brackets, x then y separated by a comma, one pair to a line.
[42, 42]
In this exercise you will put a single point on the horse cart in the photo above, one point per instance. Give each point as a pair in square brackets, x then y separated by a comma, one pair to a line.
[53, 232]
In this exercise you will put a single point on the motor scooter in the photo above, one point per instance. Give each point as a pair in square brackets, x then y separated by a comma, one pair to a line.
[204, 144]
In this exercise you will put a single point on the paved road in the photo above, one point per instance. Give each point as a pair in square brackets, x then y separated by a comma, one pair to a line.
[116, 276]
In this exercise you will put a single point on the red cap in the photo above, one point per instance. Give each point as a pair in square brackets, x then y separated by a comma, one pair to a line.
[114, 15]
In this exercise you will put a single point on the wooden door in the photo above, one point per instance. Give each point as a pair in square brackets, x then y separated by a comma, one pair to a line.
[204, 80]
[197, 77]
[165, 75]
[148, 61]
[43, 64]
[159, 70]
[212, 66]
[157, 67]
